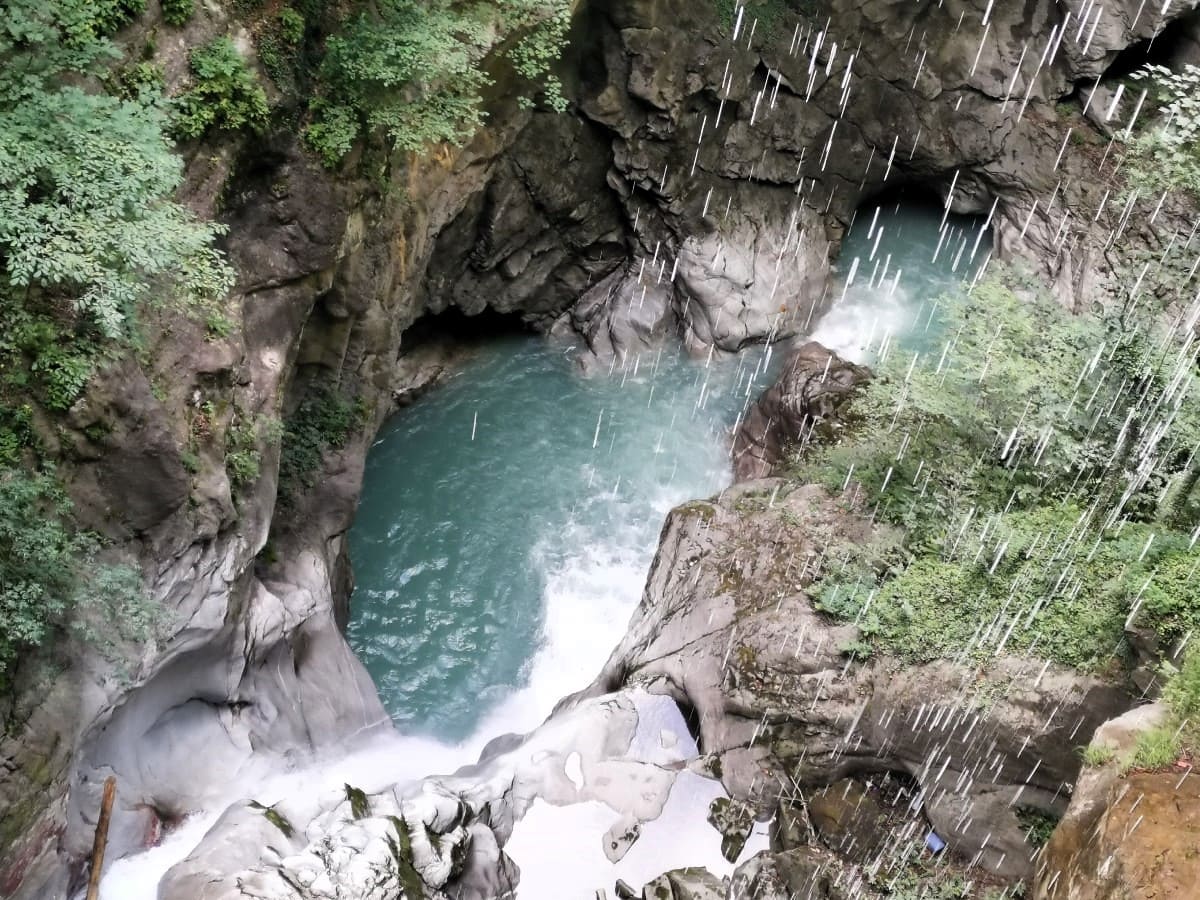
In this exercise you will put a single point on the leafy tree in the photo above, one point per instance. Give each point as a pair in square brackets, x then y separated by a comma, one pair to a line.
[1042, 468]
[89, 233]
[86, 179]
[225, 94]
[1167, 154]
[49, 569]
[413, 69]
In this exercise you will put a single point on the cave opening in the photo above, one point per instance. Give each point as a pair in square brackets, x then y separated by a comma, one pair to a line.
[891, 198]
[456, 326]
[1174, 45]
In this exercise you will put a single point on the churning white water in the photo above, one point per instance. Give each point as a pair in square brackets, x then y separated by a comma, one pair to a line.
[527, 498]
[507, 524]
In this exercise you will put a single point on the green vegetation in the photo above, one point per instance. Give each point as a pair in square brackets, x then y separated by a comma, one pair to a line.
[763, 16]
[324, 419]
[1014, 463]
[243, 456]
[177, 12]
[1167, 155]
[1179, 735]
[276, 818]
[99, 18]
[1038, 825]
[279, 43]
[1156, 748]
[1095, 755]
[51, 576]
[413, 70]
[402, 855]
[86, 217]
[224, 94]
[90, 235]
[360, 806]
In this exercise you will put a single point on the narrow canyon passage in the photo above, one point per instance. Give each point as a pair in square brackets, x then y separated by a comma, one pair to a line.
[508, 519]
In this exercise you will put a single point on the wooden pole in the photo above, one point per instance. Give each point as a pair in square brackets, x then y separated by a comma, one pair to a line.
[101, 841]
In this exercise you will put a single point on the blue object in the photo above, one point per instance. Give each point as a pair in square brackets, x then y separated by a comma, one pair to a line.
[934, 843]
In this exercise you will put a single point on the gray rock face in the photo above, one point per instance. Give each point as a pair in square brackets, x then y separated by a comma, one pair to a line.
[807, 402]
[696, 186]
[803, 872]
[441, 836]
[685, 884]
[726, 627]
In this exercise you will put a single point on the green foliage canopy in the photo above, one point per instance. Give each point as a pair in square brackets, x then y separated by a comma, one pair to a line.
[224, 94]
[1042, 469]
[86, 179]
[413, 69]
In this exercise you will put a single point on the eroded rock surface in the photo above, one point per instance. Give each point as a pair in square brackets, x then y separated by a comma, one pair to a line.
[440, 836]
[727, 628]
[1131, 837]
[808, 401]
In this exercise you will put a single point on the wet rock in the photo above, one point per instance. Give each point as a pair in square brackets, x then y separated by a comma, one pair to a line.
[791, 827]
[440, 836]
[734, 820]
[624, 314]
[726, 625]
[852, 819]
[803, 872]
[808, 402]
[685, 884]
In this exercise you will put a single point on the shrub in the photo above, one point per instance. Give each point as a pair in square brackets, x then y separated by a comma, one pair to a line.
[224, 94]
[137, 81]
[291, 26]
[1167, 155]
[177, 12]
[104, 17]
[243, 456]
[1156, 748]
[413, 69]
[324, 419]
[1038, 824]
[1014, 463]
[1095, 755]
[1182, 691]
[49, 569]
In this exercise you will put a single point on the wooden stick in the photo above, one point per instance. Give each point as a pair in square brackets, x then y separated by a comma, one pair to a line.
[101, 841]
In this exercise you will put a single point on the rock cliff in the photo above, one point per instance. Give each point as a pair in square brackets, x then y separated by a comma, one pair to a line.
[697, 185]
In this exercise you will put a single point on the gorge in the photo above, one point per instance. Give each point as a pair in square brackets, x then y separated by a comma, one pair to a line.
[711, 165]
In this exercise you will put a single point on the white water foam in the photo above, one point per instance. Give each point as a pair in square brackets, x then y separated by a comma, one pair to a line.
[591, 591]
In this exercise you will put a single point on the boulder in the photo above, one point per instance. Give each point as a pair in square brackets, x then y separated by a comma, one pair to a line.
[1125, 837]
[685, 884]
[804, 872]
[727, 627]
[807, 402]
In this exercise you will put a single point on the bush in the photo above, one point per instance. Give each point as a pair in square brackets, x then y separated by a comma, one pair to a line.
[224, 94]
[1182, 692]
[243, 456]
[291, 26]
[105, 17]
[324, 420]
[1014, 464]
[1095, 755]
[413, 69]
[177, 12]
[1038, 825]
[1167, 155]
[49, 569]
[141, 81]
